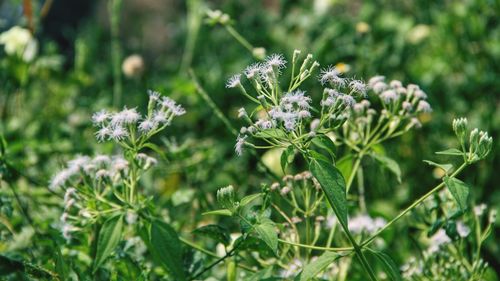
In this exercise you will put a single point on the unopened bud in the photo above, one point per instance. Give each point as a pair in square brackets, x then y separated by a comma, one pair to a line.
[226, 198]
[460, 129]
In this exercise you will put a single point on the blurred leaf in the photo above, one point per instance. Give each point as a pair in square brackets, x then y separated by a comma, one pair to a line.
[314, 268]
[390, 164]
[249, 198]
[166, 249]
[445, 167]
[324, 143]
[389, 266]
[451, 151]
[108, 239]
[287, 157]
[221, 212]
[214, 231]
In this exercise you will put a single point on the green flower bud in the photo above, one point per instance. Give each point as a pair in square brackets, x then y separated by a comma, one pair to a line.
[259, 53]
[460, 128]
[473, 140]
[226, 198]
[485, 144]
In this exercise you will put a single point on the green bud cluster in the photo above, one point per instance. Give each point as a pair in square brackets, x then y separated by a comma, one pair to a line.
[226, 198]
[480, 142]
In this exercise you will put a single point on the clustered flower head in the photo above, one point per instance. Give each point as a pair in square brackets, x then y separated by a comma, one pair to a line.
[130, 125]
[283, 117]
[479, 142]
[19, 42]
[83, 178]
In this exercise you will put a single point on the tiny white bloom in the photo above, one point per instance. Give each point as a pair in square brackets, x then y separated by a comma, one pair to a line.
[234, 81]
[240, 142]
[147, 125]
[423, 106]
[118, 133]
[462, 229]
[99, 117]
[276, 60]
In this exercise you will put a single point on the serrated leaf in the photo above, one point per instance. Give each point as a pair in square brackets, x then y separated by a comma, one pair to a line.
[451, 151]
[108, 239]
[314, 268]
[220, 212]
[459, 190]
[214, 231]
[389, 265]
[445, 167]
[249, 198]
[333, 185]
[268, 234]
[166, 249]
[390, 164]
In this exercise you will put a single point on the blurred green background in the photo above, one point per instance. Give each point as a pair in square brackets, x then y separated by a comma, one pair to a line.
[450, 48]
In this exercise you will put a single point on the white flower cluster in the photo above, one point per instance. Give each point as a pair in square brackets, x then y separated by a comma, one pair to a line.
[85, 176]
[395, 97]
[290, 112]
[129, 123]
[19, 42]
[363, 223]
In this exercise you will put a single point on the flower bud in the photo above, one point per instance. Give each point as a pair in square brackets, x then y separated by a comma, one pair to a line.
[473, 140]
[225, 198]
[259, 53]
[460, 128]
[485, 144]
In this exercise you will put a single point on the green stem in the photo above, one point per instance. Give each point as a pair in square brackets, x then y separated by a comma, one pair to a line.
[413, 205]
[239, 38]
[115, 7]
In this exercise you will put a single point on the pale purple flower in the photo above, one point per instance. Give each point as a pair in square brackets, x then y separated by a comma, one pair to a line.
[100, 117]
[118, 133]
[276, 60]
[103, 133]
[147, 125]
[389, 96]
[423, 106]
[358, 86]
[331, 75]
[240, 142]
[242, 112]
[234, 81]
[253, 71]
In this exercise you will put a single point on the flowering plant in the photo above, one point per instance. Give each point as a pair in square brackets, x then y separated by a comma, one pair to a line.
[344, 118]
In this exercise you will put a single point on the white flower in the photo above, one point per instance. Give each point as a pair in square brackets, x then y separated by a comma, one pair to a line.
[285, 190]
[102, 173]
[462, 229]
[234, 81]
[147, 125]
[118, 133]
[101, 159]
[407, 106]
[276, 60]
[358, 86]
[60, 179]
[19, 41]
[331, 75]
[242, 112]
[160, 117]
[99, 117]
[154, 96]
[131, 217]
[479, 209]
[119, 163]
[423, 106]
[365, 223]
[103, 134]
[129, 116]
[389, 96]
[178, 110]
[252, 71]
[348, 100]
[438, 239]
[379, 87]
[79, 162]
[375, 79]
[240, 142]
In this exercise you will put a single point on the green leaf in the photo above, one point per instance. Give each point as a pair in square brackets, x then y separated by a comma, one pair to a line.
[109, 237]
[445, 167]
[390, 164]
[166, 249]
[61, 268]
[156, 149]
[214, 231]
[315, 267]
[451, 151]
[287, 157]
[344, 165]
[268, 234]
[389, 265]
[459, 190]
[333, 184]
[318, 156]
[220, 212]
[249, 198]
[271, 133]
[325, 143]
